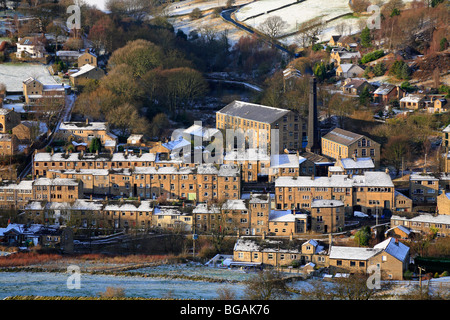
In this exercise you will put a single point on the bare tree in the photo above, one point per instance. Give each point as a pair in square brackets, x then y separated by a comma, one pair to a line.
[266, 285]
[340, 28]
[273, 26]
[312, 29]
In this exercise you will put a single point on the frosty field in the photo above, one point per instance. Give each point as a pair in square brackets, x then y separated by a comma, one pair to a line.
[55, 284]
[12, 75]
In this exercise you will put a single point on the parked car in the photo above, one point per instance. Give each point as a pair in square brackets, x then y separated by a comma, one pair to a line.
[360, 214]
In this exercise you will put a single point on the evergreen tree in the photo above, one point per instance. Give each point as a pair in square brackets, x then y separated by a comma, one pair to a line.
[320, 71]
[366, 38]
[365, 96]
[95, 145]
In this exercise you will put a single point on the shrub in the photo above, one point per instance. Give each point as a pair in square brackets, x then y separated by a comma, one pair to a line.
[371, 56]
[407, 275]
[195, 14]
[113, 293]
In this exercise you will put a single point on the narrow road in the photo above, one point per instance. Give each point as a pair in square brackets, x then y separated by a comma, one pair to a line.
[64, 116]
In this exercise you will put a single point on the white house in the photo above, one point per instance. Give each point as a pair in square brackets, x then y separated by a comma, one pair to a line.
[31, 47]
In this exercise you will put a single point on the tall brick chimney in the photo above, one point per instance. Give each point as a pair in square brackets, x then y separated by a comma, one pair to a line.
[313, 120]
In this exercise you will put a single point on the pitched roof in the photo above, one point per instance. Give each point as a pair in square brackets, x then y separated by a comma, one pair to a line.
[342, 136]
[30, 41]
[354, 83]
[255, 112]
[385, 88]
[335, 38]
[369, 179]
[84, 69]
[284, 161]
[352, 253]
[284, 216]
[358, 163]
[395, 248]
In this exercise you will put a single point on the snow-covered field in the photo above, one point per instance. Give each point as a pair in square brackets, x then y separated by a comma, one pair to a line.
[12, 75]
[187, 25]
[185, 7]
[254, 14]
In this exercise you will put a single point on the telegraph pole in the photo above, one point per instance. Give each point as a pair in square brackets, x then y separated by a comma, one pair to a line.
[420, 279]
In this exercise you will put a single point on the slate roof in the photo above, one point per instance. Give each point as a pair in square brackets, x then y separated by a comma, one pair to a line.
[355, 83]
[394, 248]
[342, 136]
[384, 89]
[251, 111]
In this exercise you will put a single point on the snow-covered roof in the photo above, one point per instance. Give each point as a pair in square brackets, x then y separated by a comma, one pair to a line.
[285, 216]
[70, 157]
[235, 204]
[419, 176]
[395, 248]
[352, 253]
[345, 67]
[207, 168]
[250, 154]
[91, 126]
[304, 181]
[122, 156]
[426, 218]
[167, 211]
[284, 161]
[358, 163]
[144, 205]
[335, 169]
[55, 182]
[200, 131]
[349, 55]
[414, 98]
[250, 245]
[67, 53]
[21, 228]
[205, 208]
[229, 170]
[447, 128]
[373, 179]
[84, 69]
[385, 88]
[323, 203]
[259, 198]
[94, 172]
[177, 144]
[4, 111]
